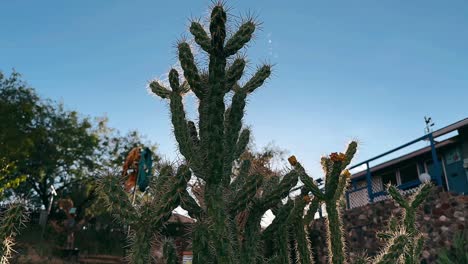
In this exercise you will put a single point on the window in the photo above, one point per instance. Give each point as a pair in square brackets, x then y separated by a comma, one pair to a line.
[409, 173]
[389, 177]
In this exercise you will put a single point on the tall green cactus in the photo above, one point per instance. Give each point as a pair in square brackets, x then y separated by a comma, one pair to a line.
[234, 198]
[233, 204]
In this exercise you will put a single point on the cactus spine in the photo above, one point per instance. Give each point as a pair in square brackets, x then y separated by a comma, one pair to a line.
[13, 219]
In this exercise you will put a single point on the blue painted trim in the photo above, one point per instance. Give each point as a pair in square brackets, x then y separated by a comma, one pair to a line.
[405, 186]
[409, 185]
[369, 183]
[437, 167]
[390, 151]
[381, 193]
[354, 184]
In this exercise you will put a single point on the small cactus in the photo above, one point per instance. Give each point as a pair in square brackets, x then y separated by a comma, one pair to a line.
[13, 219]
[148, 216]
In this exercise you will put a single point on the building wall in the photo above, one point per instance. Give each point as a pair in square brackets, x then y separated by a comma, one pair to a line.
[439, 219]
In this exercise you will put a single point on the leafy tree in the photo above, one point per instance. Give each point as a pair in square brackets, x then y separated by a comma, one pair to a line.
[48, 144]
[17, 102]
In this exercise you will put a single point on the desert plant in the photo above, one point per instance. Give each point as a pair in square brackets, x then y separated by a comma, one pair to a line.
[457, 253]
[150, 212]
[405, 226]
[231, 198]
[13, 219]
[336, 179]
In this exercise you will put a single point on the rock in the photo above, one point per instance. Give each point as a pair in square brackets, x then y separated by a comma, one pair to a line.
[444, 229]
[458, 214]
[362, 217]
[442, 218]
[445, 206]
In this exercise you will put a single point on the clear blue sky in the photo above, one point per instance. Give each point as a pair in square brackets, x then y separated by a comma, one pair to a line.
[367, 70]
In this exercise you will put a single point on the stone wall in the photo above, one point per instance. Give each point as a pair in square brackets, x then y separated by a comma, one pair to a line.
[442, 216]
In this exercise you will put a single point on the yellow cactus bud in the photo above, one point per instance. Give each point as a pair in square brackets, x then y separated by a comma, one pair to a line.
[337, 156]
[292, 160]
[347, 174]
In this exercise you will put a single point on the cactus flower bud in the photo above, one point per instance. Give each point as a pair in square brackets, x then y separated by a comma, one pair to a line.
[292, 160]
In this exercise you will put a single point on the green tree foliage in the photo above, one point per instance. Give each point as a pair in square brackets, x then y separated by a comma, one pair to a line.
[43, 144]
[48, 144]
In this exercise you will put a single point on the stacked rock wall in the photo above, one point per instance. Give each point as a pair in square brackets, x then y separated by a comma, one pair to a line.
[442, 216]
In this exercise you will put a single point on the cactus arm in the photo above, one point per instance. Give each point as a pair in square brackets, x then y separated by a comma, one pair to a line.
[200, 36]
[232, 128]
[334, 179]
[349, 154]
[282, 245]
[117, 200]
[191, 74]
[160, 90]
[299, 228]
[335, 241]
[303, 244]
[159, 210]
[189, 204]
[202, 247]
[418, 248]
[309, 182]
[217, 29]
[394, 250]
[234, 73]
[421, 195]
[239, 181]
[250, 251]
[242, 142]
[240, 38]
[280, 219]
[244, 197]
[342, 184]
[169, 252]
[184, 136]
[397, 197]
[280, 191]
[258, 79]
[193, 134]
[313, 207]
[140, 249]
